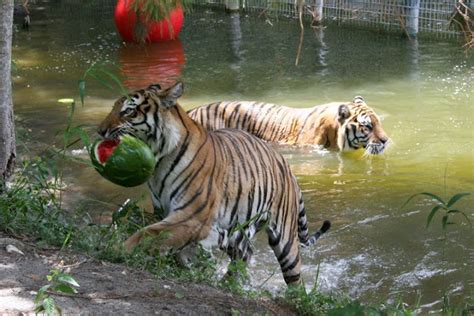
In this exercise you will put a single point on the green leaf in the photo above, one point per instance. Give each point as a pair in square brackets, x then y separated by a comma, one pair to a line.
[41, 293]
[82, 134]
[434, 196]
[48, 304]
[102, 81]
[456, 198]
[60, 311]
[64, 288]
[445, 221]
[44, 288]
[65, 278]
[115, 79]
[432, 214]
[39, 309]
[462, 213]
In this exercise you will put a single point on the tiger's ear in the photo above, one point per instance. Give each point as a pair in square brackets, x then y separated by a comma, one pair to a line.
[358, 99]
[171, 95]
[155, 87]
[343, 113]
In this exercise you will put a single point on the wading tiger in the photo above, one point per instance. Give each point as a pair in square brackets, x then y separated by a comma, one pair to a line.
[345, 127]
[213, 186]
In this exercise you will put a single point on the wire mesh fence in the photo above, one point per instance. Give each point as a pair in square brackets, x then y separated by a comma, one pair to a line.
[426, 16]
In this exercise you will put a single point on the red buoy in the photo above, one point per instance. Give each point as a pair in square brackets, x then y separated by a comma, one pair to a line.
[163, 30]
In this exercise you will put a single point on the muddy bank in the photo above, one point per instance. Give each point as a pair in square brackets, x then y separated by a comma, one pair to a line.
[107, 288]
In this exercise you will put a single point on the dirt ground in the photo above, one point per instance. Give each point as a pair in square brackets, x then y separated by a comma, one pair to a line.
[111, 289]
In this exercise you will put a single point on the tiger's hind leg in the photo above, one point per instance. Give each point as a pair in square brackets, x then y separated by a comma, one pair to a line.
[286, 249]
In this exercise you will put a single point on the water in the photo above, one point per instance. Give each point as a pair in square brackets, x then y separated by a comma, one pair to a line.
[423, 90]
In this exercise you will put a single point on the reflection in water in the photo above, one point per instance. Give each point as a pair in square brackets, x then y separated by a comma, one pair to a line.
[236, 41]
[323, 50]
[236, 35]
[143, 65]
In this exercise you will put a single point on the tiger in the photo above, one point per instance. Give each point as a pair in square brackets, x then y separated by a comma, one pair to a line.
[341, 126]
[215, 187]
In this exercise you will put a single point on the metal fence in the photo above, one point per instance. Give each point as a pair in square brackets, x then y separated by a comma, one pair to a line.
[432, 16]
[425, 16]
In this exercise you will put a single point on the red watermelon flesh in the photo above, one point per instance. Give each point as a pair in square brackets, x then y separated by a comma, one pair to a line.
[106, 148]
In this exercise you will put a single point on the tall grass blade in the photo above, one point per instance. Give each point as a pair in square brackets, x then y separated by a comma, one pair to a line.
[114, 78]
[456, 198]
[462, 213]
[445, 221]
[102, 81]
[432, 214]
[434, 196]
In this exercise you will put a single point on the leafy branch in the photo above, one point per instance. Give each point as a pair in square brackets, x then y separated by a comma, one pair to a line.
[58, 283]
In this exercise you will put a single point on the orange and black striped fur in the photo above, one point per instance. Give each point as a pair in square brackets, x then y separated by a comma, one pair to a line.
[345, 126]
[210, 183]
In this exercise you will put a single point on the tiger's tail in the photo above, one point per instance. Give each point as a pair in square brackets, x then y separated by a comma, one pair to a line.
[305, 238]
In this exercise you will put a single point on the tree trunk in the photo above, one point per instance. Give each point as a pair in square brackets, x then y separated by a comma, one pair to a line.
[7, 127]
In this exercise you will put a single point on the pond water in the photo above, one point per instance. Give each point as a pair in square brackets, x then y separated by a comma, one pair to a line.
[423, 90]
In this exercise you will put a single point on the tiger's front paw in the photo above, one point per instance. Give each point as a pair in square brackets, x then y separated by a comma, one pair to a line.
[132, 241]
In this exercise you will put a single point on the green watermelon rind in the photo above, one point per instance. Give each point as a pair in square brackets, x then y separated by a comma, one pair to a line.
[131, 163]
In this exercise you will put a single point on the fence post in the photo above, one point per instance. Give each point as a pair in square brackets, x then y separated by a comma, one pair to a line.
[319, 11]
[232, 5]
[412, 9]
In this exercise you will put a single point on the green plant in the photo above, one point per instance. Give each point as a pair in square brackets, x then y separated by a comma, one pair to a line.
[58, 283]
[235, 277]
[447, 207]
[442, 205]
[101, 73]
[149, 11]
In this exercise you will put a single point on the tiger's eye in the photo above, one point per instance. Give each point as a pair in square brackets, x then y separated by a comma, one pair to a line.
[128, 112]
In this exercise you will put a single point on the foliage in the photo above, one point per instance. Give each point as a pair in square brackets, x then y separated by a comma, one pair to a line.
[440, 204]
[149, 11]
[236, 277]
[449, 210]
[317, 303]
[462, 18]
[155, 10]
[105, 76]
[58, 283]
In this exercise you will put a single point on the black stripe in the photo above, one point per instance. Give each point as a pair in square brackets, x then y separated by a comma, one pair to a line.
[291, 266]
[285, 251]
[273, 241]
[291, 278]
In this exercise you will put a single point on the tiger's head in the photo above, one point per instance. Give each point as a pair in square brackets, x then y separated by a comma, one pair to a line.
[147, 115]
[360, 127]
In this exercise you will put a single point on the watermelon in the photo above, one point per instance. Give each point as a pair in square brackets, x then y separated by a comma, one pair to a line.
[126, 161]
